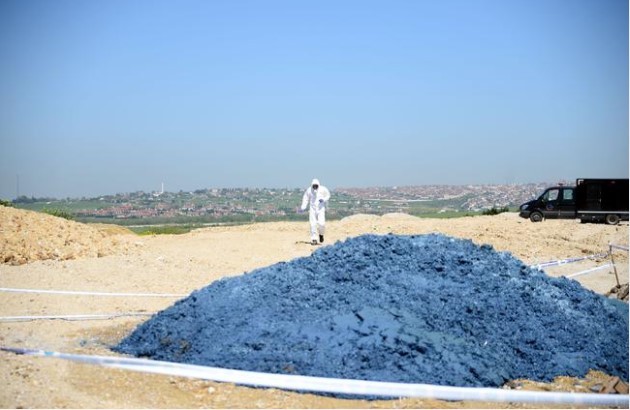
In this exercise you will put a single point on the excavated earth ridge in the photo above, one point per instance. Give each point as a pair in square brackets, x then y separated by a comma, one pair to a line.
[417, 309]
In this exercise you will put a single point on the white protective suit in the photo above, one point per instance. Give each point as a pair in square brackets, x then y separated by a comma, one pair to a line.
[316, 200]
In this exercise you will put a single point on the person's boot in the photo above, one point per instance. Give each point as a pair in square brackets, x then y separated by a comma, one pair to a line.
[321, 238]
[314, 242]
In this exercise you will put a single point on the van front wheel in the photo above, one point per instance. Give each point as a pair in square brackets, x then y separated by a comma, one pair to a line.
[536, 217]
[612, 219]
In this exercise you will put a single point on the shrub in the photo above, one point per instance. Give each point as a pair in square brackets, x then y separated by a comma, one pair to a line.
[163, 230]
[6, 203]
[58, 212]
[495, 211]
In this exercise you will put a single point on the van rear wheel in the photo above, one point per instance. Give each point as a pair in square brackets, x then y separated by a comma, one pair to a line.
[536, 217]
[612, 219]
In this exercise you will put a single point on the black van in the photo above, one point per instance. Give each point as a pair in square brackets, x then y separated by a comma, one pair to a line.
[590, 200]
[555, 202]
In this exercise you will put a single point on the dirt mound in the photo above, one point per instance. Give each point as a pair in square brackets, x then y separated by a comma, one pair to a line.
[27, 236]
[619, 292]
[360, 218]
[418, 309]
[399, 216]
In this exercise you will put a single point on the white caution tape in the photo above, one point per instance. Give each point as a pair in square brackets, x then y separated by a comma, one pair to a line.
[623, 248]
[86, 293]
[568, 260]
[337, 386]
[584, 272]
[71, 317]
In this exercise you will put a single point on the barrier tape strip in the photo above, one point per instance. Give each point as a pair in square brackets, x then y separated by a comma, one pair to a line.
[72, 292]
[71, 317]
[331, 385]
[568, 260]
[623, 248]
[584, 272]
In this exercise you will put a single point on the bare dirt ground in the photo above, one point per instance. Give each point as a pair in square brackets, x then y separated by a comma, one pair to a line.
[42, 252]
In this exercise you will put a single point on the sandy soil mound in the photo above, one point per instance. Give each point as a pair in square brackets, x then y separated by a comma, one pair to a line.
[27, 236]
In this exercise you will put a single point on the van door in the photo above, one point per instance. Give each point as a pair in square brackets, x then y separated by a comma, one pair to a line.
[594, 197]
[566, 203]
[550, 201]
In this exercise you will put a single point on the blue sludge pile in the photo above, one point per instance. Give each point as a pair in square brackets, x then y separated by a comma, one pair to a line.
[417, 309]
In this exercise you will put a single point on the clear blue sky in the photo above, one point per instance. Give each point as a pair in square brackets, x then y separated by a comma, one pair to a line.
[108, 96]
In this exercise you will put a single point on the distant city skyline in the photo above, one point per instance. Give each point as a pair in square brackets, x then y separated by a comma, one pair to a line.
[233, 204]
[540, 185]
[110, 96]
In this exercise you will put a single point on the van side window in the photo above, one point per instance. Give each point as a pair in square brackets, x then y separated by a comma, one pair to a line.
[552, 194]
[567, 195]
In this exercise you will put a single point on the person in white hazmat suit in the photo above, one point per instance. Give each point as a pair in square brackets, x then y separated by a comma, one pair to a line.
[316, 198]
